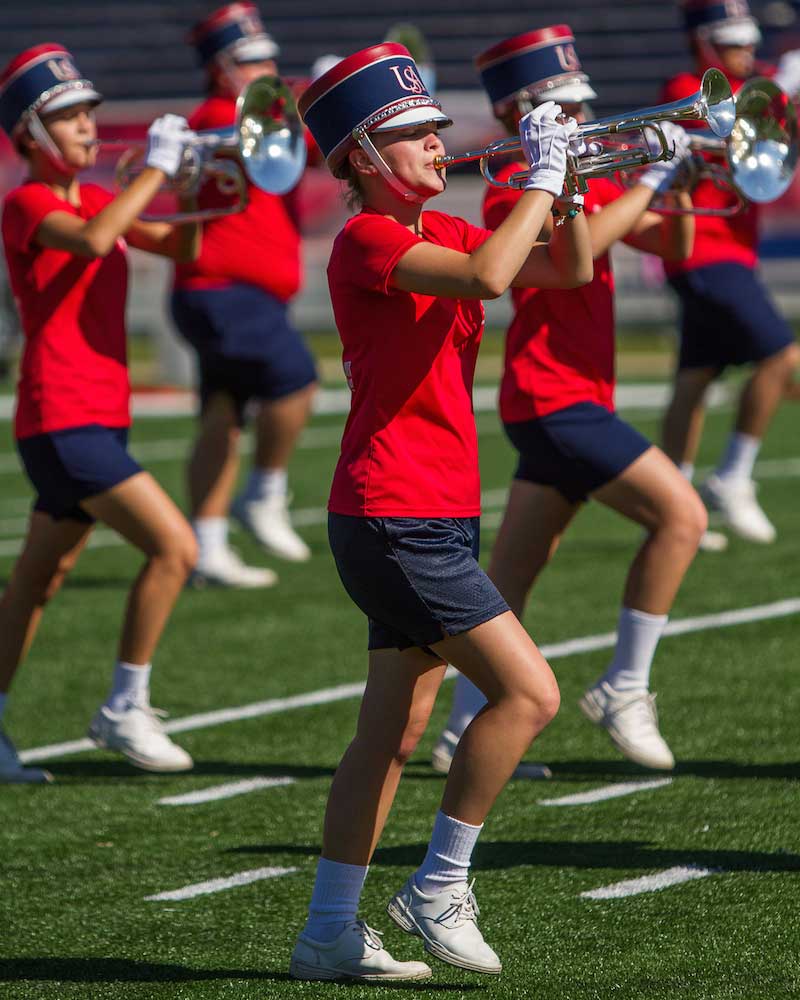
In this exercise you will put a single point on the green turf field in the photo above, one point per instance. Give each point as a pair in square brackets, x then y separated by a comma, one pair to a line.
[79, 857]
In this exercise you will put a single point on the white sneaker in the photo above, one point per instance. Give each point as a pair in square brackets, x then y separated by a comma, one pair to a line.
[268, 521]
[713, 541]
[442, 758]
[735, 501]
[224, 568]
[631, 721]
[139, 735]
[357, 953]
[12, 770]
[447, 922]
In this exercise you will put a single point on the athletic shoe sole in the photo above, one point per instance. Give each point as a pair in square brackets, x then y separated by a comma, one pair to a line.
[141, 762]
[299, 970]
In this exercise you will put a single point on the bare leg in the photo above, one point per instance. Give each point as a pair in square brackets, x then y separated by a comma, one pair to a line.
[278, 426]
[50, 552]
[501, 659]
[214, 462]
[764, 390]
[401, 690]
[140, 511]
[684, 418]
[534, 521]
[653, 493]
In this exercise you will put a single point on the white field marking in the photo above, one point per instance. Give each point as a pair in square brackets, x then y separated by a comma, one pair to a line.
[650, 883]
[219, 884]
[586, 644]
[226, 791]
[101, 538]
[607, 792]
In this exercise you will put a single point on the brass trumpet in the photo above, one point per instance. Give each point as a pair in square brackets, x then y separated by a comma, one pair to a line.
[758, 158]
[712, 104]
[265, 147]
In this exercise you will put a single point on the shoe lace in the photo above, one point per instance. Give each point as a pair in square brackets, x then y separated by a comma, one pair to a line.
[369, 934]
[643, 708]
[463, 907]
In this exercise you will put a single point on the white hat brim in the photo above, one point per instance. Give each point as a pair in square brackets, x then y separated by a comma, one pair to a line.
[76, 95]
[744, 32]
[414, 116]
[569, 93]
[254, 49]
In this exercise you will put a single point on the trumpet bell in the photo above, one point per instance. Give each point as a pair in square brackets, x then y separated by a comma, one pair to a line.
[271, 142]
[763, 146]
[720, 104]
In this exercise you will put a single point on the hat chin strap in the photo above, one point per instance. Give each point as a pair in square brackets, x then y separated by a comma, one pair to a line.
[406, 194]
[37, 130]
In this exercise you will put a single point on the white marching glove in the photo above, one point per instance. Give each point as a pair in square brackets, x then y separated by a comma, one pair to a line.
[787, 76]
[545, 142]
[166, 140]
[660, 176]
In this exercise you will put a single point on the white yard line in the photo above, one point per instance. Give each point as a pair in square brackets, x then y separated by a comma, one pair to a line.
[273, 706]
[226, 791]
[650, 883]
[615, 791]
[219, 884]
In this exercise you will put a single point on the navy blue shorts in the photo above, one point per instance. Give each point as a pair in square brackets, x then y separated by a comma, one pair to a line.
[68, 466]
[417, 580]
[246, 346]
[575, 450]
[727, 318]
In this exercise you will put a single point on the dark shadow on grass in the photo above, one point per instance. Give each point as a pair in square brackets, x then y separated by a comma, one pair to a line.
[91, 770]
[126, 970]
[582, 770]
[501, 854]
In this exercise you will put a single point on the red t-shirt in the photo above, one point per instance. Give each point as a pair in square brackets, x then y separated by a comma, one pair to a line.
[560, 345]
[74, 366]
[717, 239]
[259, 246]
[410, 447]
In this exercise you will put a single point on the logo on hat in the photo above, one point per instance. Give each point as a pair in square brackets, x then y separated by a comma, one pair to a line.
[63, 69]
[408, 79]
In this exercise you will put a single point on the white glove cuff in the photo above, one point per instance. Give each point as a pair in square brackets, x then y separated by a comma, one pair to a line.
[542, 179]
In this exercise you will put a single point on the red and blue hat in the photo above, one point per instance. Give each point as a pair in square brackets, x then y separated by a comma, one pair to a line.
[234, 31]
[536, 66]
[41, 79]
[374, 90]
[722, 22]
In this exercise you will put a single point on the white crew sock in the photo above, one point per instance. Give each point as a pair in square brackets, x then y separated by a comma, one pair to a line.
[449, 854]
[740, 457]
[468, 700]
[3, 700]
[334, 901]
[266, 483]
[130, 686]
[687, 470]
[637, 637]
[211, 534]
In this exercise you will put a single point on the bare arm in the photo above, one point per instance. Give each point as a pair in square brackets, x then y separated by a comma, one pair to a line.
[96, 237]
[565, 261]
[670, 237]
[179, 241]
[488, 271]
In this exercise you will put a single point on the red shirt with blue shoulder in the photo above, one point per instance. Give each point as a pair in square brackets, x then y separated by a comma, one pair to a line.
[73, 369]
[410, 446]
[717, 239]
[259, 246]
[560, 345]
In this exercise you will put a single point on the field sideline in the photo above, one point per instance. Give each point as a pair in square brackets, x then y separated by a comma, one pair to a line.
[604, 882]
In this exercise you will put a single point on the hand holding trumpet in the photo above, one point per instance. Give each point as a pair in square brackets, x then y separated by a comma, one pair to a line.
[167, 139]
[661, 176]
[545, 136]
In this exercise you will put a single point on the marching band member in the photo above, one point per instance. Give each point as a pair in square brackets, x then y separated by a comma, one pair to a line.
[231, 305]
[65, 248]
[406, 285]
[727, 316]
[557, 407]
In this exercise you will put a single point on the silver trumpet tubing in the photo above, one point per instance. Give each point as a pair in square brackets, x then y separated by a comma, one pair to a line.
[757, 161]
[264, 147]
[712, 104]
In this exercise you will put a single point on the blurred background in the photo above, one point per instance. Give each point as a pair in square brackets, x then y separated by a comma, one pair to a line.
[136, 53]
